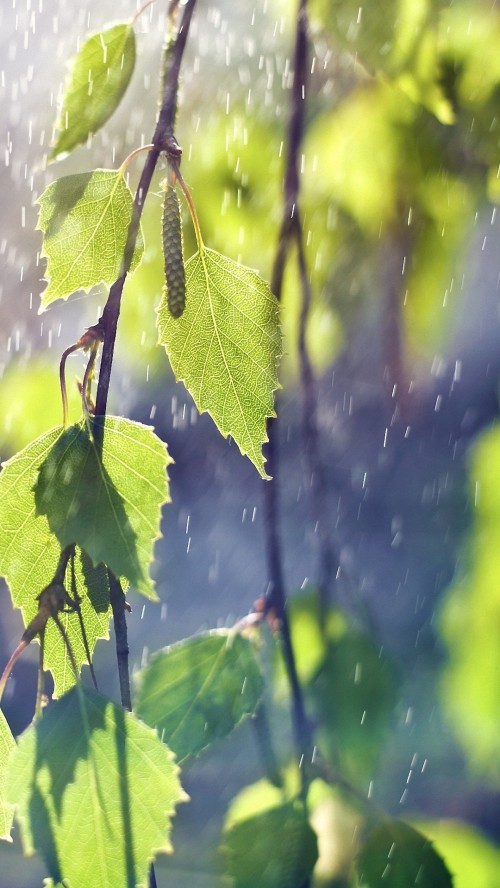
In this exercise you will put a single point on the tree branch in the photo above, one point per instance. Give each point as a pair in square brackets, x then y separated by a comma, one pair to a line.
[276, 599]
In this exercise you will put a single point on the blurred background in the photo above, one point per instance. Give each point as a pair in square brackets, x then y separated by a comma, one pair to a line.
[399, 177]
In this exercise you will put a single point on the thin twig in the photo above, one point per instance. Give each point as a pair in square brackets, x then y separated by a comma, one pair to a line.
[276, 592]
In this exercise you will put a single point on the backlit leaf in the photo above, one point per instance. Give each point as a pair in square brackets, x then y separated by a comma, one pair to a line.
[197, 691]
[225, 347]
[95, 791]
[99, 77]
[85, 219]
[29, 554]
[470, 621]
[107, 496]
[274, 849]
[7, 747]
[396, 856]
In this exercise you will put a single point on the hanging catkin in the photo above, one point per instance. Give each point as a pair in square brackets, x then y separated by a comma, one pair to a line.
[172, 252]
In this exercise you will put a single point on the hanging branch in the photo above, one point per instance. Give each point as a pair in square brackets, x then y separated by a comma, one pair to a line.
[276, 598]
[163, 140]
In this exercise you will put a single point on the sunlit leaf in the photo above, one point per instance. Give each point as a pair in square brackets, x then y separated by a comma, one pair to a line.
[470, 621]
[225, 347]
[99, 76]
[396, 856]
[197, 691]
[7, 747]
[95, 791]
[107, 495]
[85, 219]
[471, 857]
[273, 849]
[29, 554]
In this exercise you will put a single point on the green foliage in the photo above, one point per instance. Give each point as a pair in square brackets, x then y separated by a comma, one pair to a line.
[7, 747]
[225, 347]
[103, 489]
[395, 856]
[88, 766]
[85, 219]
[471, 858]
[36, 405]
[470, 621]
[29, 555]
[354, 694]
[100, 74]
[198, 690]
[273, 849]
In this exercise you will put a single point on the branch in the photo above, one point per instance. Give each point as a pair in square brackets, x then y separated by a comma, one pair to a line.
[162, 140]
[276, 599]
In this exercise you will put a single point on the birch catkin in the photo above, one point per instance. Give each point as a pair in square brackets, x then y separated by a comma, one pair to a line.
[172, 253]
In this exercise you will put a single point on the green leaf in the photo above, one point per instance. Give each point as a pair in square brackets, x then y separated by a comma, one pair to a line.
[354, 695]
[471, 857]
[99, 77]
[469, 621]
[85, 220]
[107, 496]
[226, 346]
[274, 849]
[7, 747]
[198, 690]
[396, 856]
[29, 554]
[95, 791]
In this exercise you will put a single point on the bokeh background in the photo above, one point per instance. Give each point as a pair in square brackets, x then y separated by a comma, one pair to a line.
[399, 176]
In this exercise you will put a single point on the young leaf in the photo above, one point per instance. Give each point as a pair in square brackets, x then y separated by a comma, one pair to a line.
[395, 854]
[107, 497]
[274, 849]
[99, 77]
[7, 747]
[29, 554]
[226, 346]
[199, 689]
[95, 791]
[85, 219]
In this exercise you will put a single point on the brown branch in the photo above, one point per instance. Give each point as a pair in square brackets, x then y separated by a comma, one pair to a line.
[276, 598]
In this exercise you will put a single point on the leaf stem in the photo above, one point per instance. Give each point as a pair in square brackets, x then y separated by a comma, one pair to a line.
[62, 380]
[133, 154]
[142, 9]
[190, 203]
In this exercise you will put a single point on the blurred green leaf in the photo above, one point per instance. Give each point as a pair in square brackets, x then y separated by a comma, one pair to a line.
[354, 697]
[29, 554]
[85, 219]
[100, 74]
[226, 346]
[198, 690]
[470, 621]
[274, 849]
[30, 402]
[397, 856]
[91, 767]
[107, 496]
[7, 747]
[311, 631]
[473, 860]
